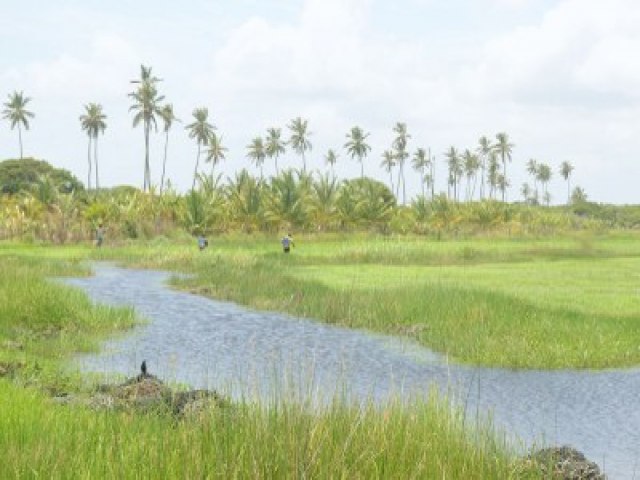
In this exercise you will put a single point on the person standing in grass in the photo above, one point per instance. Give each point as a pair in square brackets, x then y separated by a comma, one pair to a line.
[202, 242]
[99, 235]
[287, 243]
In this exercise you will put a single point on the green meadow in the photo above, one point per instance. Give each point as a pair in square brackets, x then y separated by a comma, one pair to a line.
[569, 302]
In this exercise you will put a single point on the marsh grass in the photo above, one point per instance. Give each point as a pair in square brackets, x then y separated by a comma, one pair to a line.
[534, 303]
[43, 322]
[282, 440]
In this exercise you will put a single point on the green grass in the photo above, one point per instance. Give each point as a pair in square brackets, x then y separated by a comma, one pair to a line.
[520, 303]
[283, 439]
[43, 322]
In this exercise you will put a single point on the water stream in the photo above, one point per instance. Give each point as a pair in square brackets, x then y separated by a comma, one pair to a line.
[242, 352]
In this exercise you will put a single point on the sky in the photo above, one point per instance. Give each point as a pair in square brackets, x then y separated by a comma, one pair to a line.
[560, 77]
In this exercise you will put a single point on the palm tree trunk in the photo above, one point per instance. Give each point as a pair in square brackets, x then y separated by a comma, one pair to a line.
[20, 139]
[483, 166]
[195, 172]
[404, 187]
[475, 182]
[164, 160]
[361, 169]
[433, 178]
[304, 163]
[147, 175]
[95, 159]
[422, 181]
[568, 191]
[277, 170]
[89, 161]
[504, 174]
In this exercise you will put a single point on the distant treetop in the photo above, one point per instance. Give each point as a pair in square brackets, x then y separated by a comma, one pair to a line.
[22, 175]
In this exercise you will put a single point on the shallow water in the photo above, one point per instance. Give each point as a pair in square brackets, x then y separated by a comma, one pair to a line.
[211, 344]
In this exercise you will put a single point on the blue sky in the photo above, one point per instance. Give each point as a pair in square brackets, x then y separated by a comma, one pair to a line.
[560, 77]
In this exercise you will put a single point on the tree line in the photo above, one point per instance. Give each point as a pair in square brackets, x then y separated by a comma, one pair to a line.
[476, 173]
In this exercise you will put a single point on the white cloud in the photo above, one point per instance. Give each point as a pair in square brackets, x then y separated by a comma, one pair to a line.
[582, 50]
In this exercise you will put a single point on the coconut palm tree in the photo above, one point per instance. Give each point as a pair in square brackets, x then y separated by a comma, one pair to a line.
[502, 183]
[287, 199]
[245, 200]
[331, 158]
[493, 172]
[532, 169]
[201, 131]
[455, 169]
[420, 163]
[256, 153]
[299, 139]
[566, 169]
[168, 117]
[543, 175]
[470, 165]
[525, 191]
[388, 162]
[484, 150]
[324, 193]
[274, 146]
[578, 196]
[216, 151]
[357, 147]
[401, 154]
[504, 148]
[16, 112]
[93, 122]
[431, 176]
[146, 106]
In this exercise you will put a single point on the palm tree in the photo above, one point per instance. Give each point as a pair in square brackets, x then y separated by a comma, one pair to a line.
[525, 190]
[502, 183]
[420, 163]
[168, 117]
[388, 162]
[493, 169]
[543, 176]
[274, 146]
[565, 170]
[357, 147]
[256, 153]
[455, 169]
[471, 165]
[93, 122]
[484, 150]
[85, 122]
[504, 148]
[287, 199]
[147, 106]
[16, 112]
[331, 158]
[324, 193]
[400, 147]
[216, 151]
[532, 169]
[431, 176]
[201, 131]
[299, 138]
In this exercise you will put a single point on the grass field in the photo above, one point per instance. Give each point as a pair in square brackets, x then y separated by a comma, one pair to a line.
[570, 302]
[521, 303]
[42, 323]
